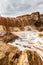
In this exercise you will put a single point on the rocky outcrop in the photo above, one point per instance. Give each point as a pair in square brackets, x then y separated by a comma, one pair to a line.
[11, 55]
[34, 20]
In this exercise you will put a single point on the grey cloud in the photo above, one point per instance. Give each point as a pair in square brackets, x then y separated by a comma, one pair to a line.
[20, 7]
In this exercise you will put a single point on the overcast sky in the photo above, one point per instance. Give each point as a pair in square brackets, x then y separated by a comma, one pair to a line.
[20, 7]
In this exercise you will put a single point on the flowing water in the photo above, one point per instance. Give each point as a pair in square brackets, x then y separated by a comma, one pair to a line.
[29, 40]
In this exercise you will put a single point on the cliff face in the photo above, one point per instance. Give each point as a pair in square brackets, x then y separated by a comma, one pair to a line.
[33, 21]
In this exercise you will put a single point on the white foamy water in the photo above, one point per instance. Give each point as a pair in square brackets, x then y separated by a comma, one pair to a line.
[29, 40]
